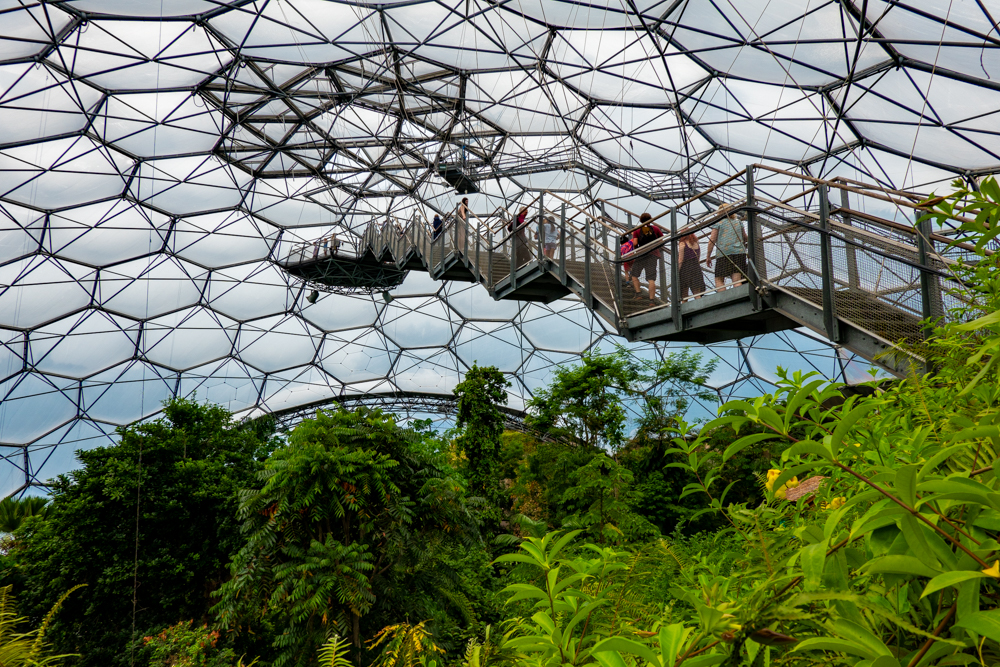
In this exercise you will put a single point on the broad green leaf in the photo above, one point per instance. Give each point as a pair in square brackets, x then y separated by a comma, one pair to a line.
[951, 579]
[813, 559]
[524, 592]
[943, 455]
[860, 635]
[834, 644]
[746, 441]
[906, 484]
[623, 645]
[808, 447]
[959, 488]
[984, 623]
[705, 660]
[544, 621]
[899, 564]
[913, 533]
[800, 397]
[884, 661]
[563, 541]
[671, 640]
[515, 558]
[976, 432]
[609, 659]
[847, 423]
[984, 321]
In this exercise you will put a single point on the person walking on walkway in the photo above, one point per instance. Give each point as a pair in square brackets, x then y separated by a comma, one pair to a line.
[519, 241]
[689, 261]
[730, 241]
[627, 246]
[550, 238]
[648, 262]
[460, 223]
[438, 225]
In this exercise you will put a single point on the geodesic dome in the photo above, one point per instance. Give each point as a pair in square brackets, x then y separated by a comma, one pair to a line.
[158, 158]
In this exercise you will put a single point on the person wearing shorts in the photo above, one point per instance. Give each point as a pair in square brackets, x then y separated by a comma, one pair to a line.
[648, 262]
[551, 237]
[729, 240]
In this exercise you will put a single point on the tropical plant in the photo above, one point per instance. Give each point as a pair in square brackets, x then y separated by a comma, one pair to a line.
[13, 511]
[589, 403]
[606, 490]
[26, 649]
[148, 524]
[185, 644]
[335, 652]
[575, 614]
[481, 424]
[404, 645]
[350, 505]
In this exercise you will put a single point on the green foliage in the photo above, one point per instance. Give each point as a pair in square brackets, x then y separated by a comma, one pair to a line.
[352, 514]
[582, 611]
[26, 649]
[13, 511]
[187, 645]
[607, 492]
[335, 652]
[481, 424]
[587, 403]
[152, 516]
[404, 645]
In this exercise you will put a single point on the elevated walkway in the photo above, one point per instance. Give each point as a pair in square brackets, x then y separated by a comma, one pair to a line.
[846, 271]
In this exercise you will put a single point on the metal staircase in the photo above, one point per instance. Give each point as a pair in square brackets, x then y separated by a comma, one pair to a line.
[860, 273]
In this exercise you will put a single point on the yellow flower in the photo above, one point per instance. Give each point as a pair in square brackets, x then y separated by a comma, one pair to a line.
[993, 571]
[772, 476]
[835, 503]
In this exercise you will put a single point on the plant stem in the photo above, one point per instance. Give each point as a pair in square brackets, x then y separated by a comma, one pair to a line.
[690, 652]
[927, 645]
[914, 512]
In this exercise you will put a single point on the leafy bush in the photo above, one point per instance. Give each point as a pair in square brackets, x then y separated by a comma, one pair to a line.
[187, 645]
[151, 519]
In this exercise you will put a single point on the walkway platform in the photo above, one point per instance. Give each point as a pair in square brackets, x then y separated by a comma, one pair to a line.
[860, 280]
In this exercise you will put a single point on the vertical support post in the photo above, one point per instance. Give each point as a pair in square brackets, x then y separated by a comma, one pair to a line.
[853, 282]
[479, 271]
[675, 275]
[430, 257]
[754, 265]
[826, 258]
[586, 265]
[489, 260]
[541, 216]
[540, 232]
[664, 294]
[562, 243]
[513, 255]
[618, 282]
[930, 286]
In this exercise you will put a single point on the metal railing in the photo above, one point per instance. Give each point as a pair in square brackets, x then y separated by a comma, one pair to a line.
[828, 243]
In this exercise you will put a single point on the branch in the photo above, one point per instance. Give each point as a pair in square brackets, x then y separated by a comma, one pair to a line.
[930, 640]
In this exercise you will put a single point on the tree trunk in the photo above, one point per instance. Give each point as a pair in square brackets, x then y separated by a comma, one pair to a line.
[356, 637]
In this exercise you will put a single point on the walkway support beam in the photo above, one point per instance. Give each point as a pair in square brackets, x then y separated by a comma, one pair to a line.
[754, 264]
[826, 259]
[675, 275]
